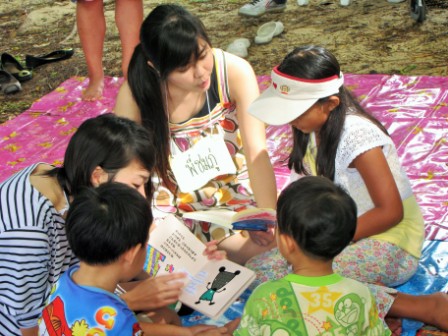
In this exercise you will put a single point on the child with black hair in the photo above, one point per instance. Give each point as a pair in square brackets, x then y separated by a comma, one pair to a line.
[316, 221]
[107, 229]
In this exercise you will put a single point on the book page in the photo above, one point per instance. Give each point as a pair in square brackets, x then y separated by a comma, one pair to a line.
[254, 219]
[220, 217]
[177, 248]
[216, 287]
[211, 285]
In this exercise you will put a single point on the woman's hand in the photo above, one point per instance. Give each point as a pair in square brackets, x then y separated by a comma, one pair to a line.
[212, 252]
[154, 293]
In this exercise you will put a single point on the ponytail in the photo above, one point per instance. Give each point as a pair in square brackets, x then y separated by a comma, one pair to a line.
[146, 87]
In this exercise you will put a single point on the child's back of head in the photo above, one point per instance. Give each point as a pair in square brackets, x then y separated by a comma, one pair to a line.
[319, 215]
[104, 222]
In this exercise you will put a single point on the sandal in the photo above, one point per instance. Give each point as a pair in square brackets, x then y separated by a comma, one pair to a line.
[8, 83]
[55, 56]
[10, 64]
[239, 47]
[268, 31]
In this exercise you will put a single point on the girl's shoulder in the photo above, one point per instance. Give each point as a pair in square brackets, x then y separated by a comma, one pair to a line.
[358, 124]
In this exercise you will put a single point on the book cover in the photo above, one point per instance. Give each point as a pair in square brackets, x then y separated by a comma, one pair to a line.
[211, 285]
[253, 219]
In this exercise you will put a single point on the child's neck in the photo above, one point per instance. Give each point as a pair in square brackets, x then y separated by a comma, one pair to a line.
[312, 267]
[104, 277]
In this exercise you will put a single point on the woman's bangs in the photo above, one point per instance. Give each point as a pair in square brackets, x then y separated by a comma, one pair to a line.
[179, 50]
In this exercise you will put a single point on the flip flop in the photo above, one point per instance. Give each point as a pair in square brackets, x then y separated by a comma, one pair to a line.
[10, 64]
[55, 56]
[268, 31]
[8, 83]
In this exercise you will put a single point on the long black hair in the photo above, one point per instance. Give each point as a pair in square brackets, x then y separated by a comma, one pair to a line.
[314, 62]
[168, 41]
[109, 142]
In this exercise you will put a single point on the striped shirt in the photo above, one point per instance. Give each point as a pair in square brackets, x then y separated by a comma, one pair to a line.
[34, 252]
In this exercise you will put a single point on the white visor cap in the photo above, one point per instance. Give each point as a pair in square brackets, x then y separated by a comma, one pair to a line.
[288, 97]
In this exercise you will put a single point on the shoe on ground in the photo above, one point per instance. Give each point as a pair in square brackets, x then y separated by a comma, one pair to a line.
[260, 7]
[10, 64]
[395, 1]
[239, 47]
[8, 83]
[55, 56]
[303, 2]
[268, 31]
[345, 2]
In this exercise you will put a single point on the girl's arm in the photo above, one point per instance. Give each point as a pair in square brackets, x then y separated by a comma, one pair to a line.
[388, 206]
[243, 90]
[125, 106]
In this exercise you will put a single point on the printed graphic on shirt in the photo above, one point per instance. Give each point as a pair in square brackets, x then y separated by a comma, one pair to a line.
[76, 311]
[304, 310]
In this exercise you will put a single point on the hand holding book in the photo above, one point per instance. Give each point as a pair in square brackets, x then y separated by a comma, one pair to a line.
[253, 219]
[178, 250]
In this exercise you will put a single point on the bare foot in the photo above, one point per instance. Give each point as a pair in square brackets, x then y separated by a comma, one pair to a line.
[94, 90]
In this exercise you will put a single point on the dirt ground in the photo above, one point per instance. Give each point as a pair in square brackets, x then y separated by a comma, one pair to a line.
[369, 36]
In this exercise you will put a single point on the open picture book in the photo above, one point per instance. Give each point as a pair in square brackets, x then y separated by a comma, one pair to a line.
[253, 219]
[211, 285]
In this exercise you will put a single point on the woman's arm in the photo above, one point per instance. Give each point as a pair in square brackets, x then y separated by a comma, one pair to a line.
[125, 106]
[243, 90]
[388, 206]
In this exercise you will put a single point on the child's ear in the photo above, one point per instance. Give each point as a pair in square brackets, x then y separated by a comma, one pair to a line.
[129, 255]
[288, 244]
[333, 102]
[99, 176]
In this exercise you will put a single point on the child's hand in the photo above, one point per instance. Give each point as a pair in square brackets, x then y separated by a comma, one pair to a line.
[262, 238]
[154, 293]
[207, 330]
[212, 252]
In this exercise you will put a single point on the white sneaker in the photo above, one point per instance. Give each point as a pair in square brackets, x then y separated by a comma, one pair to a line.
[345, 2]
[303, 2]
[259, 7]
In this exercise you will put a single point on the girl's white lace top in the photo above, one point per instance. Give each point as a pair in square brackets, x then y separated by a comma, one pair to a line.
[360, 135]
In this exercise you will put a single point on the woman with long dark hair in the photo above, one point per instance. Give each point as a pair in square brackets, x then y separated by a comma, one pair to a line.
[194, 99]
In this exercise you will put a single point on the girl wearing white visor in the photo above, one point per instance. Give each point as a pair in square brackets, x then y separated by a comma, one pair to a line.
[334, 137]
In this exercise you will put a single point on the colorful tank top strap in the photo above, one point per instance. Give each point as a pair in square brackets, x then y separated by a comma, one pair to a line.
[221, 74]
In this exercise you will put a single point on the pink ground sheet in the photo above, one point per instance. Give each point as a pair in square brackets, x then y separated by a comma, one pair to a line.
[413, 109]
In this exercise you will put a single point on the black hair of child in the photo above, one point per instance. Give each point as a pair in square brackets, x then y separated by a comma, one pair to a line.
[319, 215]
[104, 222]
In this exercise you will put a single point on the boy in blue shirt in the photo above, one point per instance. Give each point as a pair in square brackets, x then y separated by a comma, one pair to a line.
[107, 228]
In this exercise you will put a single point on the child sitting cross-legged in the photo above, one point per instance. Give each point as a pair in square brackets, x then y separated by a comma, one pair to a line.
[107, 229]
[316, 221]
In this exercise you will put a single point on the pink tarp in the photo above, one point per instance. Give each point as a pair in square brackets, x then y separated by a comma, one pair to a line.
[413, 109]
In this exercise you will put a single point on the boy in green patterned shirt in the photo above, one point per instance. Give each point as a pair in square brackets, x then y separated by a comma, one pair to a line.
[316, 221]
